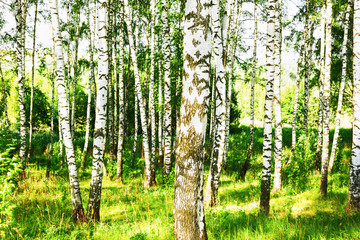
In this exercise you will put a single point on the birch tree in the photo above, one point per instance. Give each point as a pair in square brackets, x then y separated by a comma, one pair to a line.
[220, 110]
[307, 67]
[167, 90]
[20, 57]
[32, 80]
[326, 85]
[151, 88]
[100, 118]
[189, 212]
[121, 97]
[75, 78]
[277, 97]
[252, 118]
[77, 207]
[354, 186]
[149, 180]
[321, 90]
[268, 113]
[91, 79]
[342, 85]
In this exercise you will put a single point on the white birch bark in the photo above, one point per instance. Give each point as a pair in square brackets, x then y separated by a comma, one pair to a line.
[326, 118]
[75, 78]
[189, 212]
[220, 110]
[100, 118]
[20, 56]
[268, 113]
[342, 85]
[121, 136]
[277, 97]
[91, 79]
[149, 181]
[307, 67]
[167, 90]
[354, 180]
[77, 208]
[151, 88]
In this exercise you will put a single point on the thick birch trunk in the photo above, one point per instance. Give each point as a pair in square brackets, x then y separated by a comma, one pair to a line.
[354, 180]
[149, 181]
[32, 80]
[189, 212]
[220, 110]
[268, 113]
[342, 86]
[100, 119]
[77, 208]
[327, 66]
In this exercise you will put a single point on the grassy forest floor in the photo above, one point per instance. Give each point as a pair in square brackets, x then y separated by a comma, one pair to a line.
[42, 207]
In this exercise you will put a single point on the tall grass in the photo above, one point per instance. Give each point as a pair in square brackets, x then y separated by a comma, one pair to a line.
[128, 211]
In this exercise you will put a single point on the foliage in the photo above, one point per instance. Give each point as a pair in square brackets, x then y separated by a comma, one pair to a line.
[9, 173]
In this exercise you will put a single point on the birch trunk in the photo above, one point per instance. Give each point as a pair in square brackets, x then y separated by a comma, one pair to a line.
[189, 212]
[4, 100]
[91, 79]
[161, 114]
[320, 111]
[20, 50]
[100, 118]
[32, 80]
[121, 136]
[230, 71]
[268, 113]
[151, 88]
[342, 86]
[277, 97]
[77, 24]
[220, 110]
[167, 91]
[149, 181]
[77, 208]
[354, 180]
[307, 68]
[327, 66]
[252, 118]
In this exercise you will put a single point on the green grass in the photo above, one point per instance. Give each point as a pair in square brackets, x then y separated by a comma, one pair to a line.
[128, 211]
